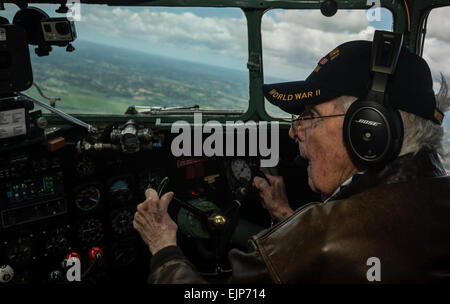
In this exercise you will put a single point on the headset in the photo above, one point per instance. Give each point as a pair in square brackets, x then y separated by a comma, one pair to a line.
[373, 131]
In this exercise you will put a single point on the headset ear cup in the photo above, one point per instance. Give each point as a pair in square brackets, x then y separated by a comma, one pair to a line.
[398, 132]
[372, 133]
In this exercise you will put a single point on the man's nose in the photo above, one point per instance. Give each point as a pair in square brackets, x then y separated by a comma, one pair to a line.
[291, 133]
[296, 134]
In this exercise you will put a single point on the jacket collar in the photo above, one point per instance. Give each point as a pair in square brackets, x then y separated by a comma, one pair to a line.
[412, 166]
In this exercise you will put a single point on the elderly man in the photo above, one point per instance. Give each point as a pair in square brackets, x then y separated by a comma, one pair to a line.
[384, 223]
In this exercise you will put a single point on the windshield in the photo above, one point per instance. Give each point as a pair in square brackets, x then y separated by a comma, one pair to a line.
[436, 48]
[295, 40]
[157, 57]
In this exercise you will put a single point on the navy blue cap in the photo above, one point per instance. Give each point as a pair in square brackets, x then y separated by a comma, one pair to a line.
[346, 71]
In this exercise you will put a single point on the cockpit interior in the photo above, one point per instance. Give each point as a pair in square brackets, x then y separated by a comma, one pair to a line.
[101, 100]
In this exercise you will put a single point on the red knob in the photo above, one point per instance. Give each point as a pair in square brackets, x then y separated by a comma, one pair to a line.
[95, 253]
[73, 255]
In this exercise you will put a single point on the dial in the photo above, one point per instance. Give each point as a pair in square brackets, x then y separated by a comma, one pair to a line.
[91, 230]
[87, 198]
[120, 190]
[122, 222]
[241, 170]
[57, 242]
[85, 167]
[19, 251]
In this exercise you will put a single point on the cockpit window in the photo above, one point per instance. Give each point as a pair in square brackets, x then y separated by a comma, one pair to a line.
[147, 56]
[295, 40]
[435, 51]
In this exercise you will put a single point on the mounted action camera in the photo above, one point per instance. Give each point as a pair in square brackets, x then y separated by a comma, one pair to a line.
[59, 31]
[44, 31]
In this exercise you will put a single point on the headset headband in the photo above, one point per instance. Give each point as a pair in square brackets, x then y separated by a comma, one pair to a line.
[386, 48]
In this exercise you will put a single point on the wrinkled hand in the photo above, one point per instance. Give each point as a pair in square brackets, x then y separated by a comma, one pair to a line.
[273, 196]
[153, 222]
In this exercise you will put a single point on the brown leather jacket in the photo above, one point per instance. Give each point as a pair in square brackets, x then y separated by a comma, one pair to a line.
[400, 215]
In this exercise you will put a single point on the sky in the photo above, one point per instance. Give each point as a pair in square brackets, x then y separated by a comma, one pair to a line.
[293, 40]
[437, 44]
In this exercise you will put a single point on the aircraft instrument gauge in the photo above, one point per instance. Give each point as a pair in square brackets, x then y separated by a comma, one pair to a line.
[241, 170]
[85, 167]
[120, 191]
[122, 222]
[56, 242]
[19, 251]
[91, 230]
[87, 198]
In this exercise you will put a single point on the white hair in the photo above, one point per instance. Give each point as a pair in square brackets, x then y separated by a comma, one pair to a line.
[419, 132]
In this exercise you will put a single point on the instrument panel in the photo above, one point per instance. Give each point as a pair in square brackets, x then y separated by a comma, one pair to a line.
[62, 204]
[72, 203]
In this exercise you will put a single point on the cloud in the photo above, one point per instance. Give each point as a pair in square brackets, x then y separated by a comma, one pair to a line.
[343, 21]
[185, 30]
[437, 44]
[439, 24]
[293, 41]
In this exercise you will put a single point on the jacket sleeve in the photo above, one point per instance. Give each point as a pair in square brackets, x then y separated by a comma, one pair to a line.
[249, 267]
[170, 266]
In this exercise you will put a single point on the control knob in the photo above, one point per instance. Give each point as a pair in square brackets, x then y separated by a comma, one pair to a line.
[71, 255]
[55, 276]
[96, 253]
[6, 273]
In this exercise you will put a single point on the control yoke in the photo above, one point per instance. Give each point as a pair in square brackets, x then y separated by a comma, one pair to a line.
[220, 224]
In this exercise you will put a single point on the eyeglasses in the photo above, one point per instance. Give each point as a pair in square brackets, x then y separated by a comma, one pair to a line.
[296, 122]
